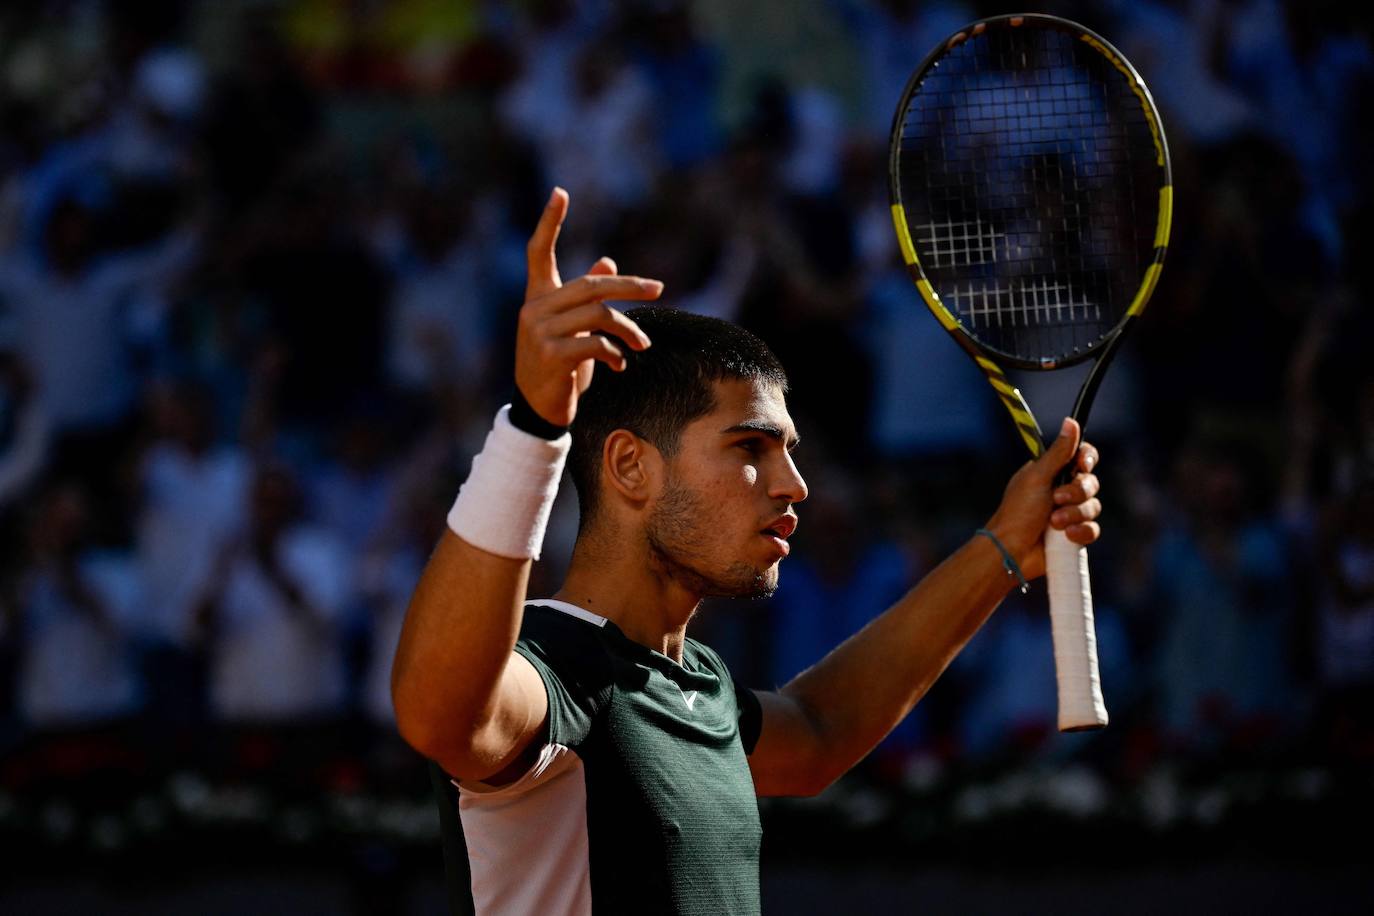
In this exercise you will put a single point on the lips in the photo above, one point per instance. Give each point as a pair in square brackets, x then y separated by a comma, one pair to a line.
[782, 547]
[782, 527]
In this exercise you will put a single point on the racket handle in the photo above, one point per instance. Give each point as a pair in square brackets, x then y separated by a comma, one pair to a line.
[1075, 638]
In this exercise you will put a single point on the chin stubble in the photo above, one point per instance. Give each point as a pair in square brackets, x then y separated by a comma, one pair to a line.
[679, 531]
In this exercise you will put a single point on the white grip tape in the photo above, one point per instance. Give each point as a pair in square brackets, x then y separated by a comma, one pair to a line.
[503, 507]
[1075, 637]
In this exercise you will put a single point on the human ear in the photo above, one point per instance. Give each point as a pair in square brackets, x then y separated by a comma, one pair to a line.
[631, 466]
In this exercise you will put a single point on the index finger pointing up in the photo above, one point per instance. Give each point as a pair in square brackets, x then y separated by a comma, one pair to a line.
[543, 262]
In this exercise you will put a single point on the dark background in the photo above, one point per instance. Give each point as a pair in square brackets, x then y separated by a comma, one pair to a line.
[259, 266]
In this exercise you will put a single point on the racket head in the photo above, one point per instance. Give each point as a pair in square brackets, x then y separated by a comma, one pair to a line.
[1031, 189]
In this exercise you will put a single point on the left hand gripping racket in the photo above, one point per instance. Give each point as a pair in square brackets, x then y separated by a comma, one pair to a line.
[1032, 197]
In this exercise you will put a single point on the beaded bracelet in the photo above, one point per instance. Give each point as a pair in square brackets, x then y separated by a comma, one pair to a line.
[1007, 561]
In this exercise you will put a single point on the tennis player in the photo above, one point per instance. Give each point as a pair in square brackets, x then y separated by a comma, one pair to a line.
[605, 762]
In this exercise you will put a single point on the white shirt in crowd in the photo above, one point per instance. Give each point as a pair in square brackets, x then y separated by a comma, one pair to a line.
[268, 663]
[75, 332]
[76, 670]
[391, 578]
[191, 505]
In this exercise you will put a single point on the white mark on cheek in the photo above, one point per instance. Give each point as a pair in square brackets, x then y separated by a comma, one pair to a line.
[751, 474]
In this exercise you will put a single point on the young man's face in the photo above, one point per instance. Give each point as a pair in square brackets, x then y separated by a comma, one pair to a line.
[731, 480]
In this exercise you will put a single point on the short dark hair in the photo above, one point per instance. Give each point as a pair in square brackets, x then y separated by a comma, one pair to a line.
[663, 388]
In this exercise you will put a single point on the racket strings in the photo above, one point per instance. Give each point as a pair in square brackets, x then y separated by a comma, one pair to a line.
[1026, 165]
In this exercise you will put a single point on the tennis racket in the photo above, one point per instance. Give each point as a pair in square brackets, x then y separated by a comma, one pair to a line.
[1032, 196]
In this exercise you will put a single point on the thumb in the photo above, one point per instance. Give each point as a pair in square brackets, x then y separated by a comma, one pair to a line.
[604, 267]
[1062, 449]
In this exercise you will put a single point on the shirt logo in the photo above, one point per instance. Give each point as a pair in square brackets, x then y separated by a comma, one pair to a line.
[688, 698]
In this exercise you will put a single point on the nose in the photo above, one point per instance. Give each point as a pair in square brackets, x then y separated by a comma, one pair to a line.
[789, 484]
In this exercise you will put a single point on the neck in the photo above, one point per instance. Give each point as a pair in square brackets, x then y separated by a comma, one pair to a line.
[617, 578]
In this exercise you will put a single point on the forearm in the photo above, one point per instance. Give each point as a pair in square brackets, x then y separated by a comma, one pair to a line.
[862, 689]
[460, 628]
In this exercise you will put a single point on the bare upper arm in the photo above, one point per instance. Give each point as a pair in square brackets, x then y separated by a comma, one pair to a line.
[500, 749]
[786, 757]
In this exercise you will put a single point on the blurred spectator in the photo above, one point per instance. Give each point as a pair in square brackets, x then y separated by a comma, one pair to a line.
[929, 396]
[25, 428]
[797, 43]
[194, 489]
[1346, 626]
[272, 613]
[714, 254]
[350, 495]
[438, 331]
[152, 137]
[684, 73]
[804, 294]
[1336, 534]
[77, 306]
[78, 613]
[1171, 43]
[325, 297]
[1010, 702]
[894, 34]
[812, 166]
[1223, 593]
[1301, 66]
[550, 36]
[535, 106]
[1253, 273]
[351, 489]
[600, 140]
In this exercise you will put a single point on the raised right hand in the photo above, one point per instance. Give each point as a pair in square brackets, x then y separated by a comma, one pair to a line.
[1032, 501]
[555, 348]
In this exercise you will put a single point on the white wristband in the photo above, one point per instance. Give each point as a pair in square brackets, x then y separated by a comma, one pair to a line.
[503, 506]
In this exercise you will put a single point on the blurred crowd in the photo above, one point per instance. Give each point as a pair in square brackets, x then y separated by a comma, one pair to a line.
[259, 267]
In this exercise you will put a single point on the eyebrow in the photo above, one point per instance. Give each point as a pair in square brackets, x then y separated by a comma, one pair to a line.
[767, 429]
